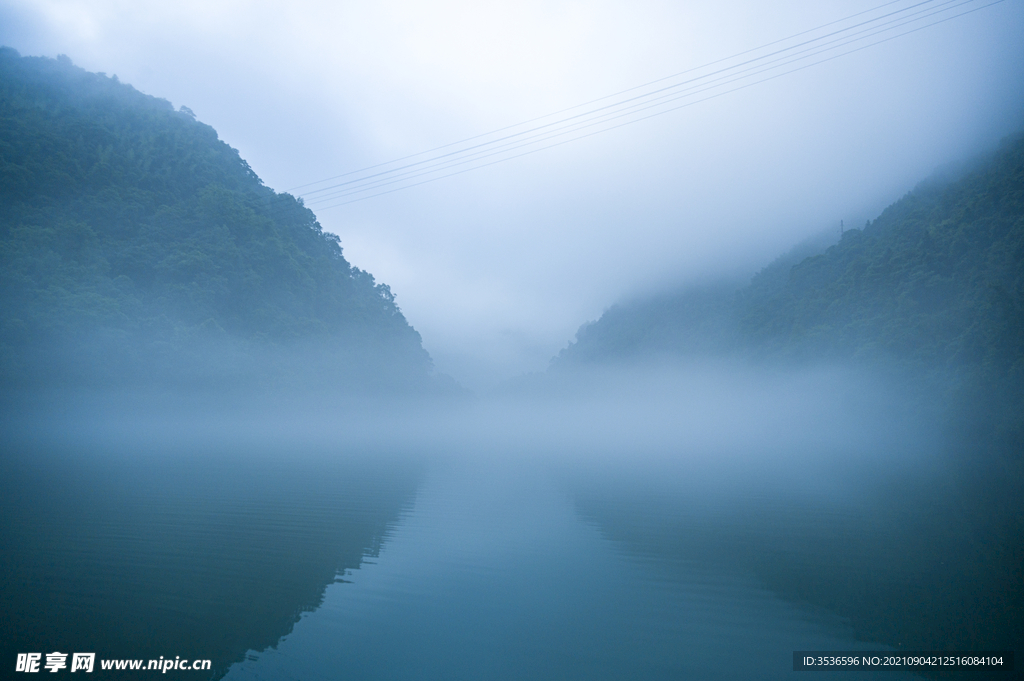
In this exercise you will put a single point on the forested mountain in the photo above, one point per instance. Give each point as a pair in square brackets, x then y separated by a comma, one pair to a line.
[937, 281]
[932, 290]
[137, 247]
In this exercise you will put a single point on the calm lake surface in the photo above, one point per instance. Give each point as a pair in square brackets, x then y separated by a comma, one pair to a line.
[493, 574]
[292, 558]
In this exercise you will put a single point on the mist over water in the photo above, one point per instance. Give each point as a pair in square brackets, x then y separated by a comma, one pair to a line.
[707, 413]
[647, 520]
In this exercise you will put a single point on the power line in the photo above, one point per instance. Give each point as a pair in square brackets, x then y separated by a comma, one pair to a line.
[487, 150]
[633, 108]
[369, 184]
[594, 101]
[310, 195]
[682, 106]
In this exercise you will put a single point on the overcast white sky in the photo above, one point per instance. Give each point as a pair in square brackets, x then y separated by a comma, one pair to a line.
[498, 267]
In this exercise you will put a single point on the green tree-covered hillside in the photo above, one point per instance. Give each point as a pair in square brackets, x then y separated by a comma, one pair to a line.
[932, 291]
[137, 246]
[936, 282]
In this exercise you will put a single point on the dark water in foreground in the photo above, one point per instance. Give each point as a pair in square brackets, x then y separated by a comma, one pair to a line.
[291, 559]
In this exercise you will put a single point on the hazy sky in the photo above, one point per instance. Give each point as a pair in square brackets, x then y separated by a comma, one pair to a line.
[498, 267]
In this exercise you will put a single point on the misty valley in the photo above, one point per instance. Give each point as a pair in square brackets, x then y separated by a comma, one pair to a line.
[222, 441]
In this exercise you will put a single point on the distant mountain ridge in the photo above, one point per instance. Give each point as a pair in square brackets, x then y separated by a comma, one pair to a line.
[931, 292]
[136, 246]
[937, 280]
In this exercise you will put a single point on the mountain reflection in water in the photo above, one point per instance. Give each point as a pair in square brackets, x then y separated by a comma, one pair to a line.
[144, 551]
[493, 575]
[704, 524]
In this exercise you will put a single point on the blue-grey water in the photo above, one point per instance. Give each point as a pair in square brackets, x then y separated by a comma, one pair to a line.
[495, 546]
[493, 574]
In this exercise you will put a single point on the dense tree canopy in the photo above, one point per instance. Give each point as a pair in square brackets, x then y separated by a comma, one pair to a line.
[937, 281]
[932, 291]
[135, 243]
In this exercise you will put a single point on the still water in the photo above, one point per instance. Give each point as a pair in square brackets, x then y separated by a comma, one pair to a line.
[492, 574]
[326, 558]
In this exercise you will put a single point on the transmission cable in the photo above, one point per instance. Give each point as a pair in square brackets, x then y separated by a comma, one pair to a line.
[633, 108]
[487, 150]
